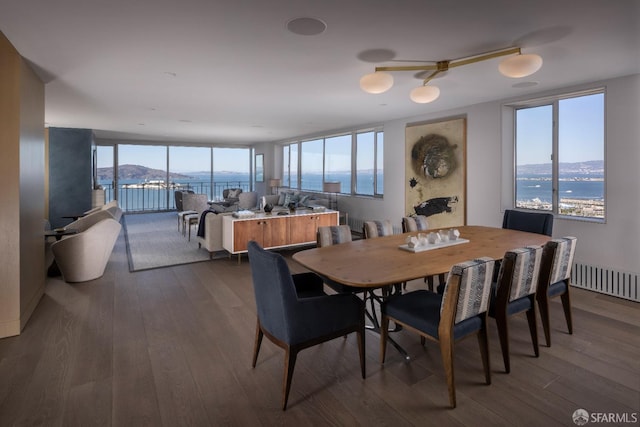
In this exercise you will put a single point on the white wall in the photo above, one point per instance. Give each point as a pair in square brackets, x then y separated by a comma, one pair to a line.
[489, 175]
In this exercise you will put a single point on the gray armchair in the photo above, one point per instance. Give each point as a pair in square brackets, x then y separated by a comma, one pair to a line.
[295, 314]
[84, 256]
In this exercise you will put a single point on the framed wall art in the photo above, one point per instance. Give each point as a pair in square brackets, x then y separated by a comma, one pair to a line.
[435, 169]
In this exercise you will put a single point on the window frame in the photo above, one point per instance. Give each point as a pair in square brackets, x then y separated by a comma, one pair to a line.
[554, 102]
[295, 179]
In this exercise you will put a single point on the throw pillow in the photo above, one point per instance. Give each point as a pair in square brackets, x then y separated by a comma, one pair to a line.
[233, 193]
[304, 199]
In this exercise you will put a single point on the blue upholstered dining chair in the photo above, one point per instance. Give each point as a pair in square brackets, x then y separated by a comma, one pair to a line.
[555, 280]
[514, 293]
[294, 321]
[445, 318]
[532, 222]
[419, 223]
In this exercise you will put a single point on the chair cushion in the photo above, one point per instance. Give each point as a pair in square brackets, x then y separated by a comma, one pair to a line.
[516, 306]
[557, 288]
[421, 310]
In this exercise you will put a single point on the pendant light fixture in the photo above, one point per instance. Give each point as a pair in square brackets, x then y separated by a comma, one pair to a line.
[516, 66]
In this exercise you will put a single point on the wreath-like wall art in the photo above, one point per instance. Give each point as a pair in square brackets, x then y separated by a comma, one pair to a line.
[436, 172]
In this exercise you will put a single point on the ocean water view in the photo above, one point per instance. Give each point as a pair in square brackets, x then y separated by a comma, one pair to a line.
[528, 188]
[578, 195]
[155, 194]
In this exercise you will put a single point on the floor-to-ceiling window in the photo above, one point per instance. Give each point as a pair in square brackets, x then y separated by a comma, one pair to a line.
[142, 177]
[148, 175]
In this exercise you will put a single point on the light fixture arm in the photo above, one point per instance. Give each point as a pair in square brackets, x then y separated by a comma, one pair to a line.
[446, 64]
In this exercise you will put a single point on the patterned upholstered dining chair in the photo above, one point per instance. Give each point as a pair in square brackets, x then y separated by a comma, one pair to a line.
[294, 321]
[420, 223]
[514, 293]
[373, 229]
[555, 280]
[333, 235]
[414, 223]
[445, 318]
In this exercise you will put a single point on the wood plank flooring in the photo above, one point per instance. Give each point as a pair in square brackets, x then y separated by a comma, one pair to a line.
[172, 347]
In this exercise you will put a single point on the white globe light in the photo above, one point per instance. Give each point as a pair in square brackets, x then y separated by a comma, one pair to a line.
[377, 82]
[424, 94]
[520, 65]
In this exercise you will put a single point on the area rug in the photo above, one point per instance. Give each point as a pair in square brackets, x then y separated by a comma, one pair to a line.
[153, 241]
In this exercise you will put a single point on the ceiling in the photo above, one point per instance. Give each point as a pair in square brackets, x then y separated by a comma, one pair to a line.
[205, 71]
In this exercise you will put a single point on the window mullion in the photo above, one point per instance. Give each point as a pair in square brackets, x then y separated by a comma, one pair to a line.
[555, 167]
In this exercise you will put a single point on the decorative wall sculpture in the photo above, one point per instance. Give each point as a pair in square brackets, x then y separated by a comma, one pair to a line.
[435, 171]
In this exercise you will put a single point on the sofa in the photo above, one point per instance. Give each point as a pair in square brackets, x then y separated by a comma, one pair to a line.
[281, 201]
[212, 238]
[247, 200]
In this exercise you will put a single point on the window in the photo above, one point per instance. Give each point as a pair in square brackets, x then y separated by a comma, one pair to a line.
[559, 146]
[354, 159]
[369, 152]
[147, 175]
[337, 161]
[311, 165]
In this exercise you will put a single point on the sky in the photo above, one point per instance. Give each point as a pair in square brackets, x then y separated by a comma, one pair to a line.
[581, 132]
[183, 159]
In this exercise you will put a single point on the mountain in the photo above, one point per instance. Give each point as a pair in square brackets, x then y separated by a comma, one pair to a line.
[137, 172]
[591, 167]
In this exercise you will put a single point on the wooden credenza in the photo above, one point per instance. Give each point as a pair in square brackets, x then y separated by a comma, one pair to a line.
[274, 231]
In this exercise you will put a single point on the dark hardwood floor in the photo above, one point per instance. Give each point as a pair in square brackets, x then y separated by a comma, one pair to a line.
[172, 347]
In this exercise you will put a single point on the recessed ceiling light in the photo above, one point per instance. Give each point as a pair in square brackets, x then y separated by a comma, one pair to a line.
[306, 26]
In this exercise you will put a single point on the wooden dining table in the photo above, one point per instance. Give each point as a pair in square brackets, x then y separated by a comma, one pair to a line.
[379, 262]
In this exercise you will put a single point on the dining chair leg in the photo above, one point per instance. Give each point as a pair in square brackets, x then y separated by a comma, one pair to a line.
[533, 328]
[429, 281]
[289, 364]
[503, 334]
[483, 342]
[384, 331]
[446, 350]
[543, 306]
[361, 351]
[257, 343]
[566, 305]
